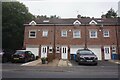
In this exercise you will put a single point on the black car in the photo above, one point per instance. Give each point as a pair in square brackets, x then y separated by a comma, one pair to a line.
[86, 56]
[6, 55]
[23, 56]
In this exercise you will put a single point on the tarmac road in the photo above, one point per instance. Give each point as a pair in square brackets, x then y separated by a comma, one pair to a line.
[105, 69]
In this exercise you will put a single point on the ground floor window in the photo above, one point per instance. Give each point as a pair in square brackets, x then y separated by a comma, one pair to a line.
[57, 49]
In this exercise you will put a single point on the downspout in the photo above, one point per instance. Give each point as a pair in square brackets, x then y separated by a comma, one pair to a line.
[116, 30]
[85, 38]
[54, 42]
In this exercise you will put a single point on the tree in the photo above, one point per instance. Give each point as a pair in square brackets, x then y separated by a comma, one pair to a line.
[14, 15]
[110, 14]
[54, 16]
[42, 16]
[46, 17]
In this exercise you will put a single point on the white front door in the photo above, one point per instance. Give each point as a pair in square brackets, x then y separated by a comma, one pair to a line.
[107, 54]
[43, 51]
[64, 52]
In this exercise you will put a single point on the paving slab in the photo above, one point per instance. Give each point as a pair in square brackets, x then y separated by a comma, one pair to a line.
[115, 61]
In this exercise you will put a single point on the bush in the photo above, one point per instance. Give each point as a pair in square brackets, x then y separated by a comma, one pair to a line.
[44, 59]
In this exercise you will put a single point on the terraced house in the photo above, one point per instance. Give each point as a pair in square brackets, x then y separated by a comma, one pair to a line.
[61, 38]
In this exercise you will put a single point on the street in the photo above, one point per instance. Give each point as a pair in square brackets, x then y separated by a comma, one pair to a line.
[104, 69]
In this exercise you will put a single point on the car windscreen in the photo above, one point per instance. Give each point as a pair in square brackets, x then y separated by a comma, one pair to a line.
[19, 52]
[84, 52]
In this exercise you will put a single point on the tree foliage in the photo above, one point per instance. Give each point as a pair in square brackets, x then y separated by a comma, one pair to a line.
[46, 17]
[14, 15]
[110, 14]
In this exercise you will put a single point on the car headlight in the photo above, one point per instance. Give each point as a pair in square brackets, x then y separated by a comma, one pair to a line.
[96, 58]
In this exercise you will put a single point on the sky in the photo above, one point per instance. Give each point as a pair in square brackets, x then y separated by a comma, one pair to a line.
[70, 8]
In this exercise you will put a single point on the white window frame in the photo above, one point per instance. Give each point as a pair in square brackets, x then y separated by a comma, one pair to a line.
[30, 33]
[108, 33]
[114, 49]
[78, 35]
[45, 33]
[62, 33]
[90, 31]
[50, 48]
[57, 49]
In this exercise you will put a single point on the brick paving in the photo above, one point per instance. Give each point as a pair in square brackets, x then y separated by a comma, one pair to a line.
[55, 62]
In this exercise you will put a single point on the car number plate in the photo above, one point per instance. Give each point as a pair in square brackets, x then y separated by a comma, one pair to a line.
[90, 60]
[16, 58]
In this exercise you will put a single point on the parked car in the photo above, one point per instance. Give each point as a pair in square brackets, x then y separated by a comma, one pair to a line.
[86, 56]
[23, 56]
[1, 54]
[6, 55]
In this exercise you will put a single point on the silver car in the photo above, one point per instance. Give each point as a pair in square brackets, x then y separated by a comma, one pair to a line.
[86, 56]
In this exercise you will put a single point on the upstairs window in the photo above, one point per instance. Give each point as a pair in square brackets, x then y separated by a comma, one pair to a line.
[63, 33]
[76, 34]
[45, 33]
[93, 33]
[106, 33]
[32, 34]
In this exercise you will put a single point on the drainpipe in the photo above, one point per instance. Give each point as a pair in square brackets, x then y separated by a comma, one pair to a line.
[54, 42]
[101, 40]
[85, 38]
[116, 30]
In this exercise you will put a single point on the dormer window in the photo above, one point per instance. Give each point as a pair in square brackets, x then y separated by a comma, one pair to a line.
[32, 23]
[92, 22]
[77, 22]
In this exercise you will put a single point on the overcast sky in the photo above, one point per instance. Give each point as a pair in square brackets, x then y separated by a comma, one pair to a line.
[70, 8]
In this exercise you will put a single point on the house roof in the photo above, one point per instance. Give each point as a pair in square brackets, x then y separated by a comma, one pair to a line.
[71, 21]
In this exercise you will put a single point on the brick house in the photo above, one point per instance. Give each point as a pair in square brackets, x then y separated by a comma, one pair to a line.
[61, 38]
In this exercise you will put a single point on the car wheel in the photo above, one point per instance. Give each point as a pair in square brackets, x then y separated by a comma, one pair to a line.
[13, 61]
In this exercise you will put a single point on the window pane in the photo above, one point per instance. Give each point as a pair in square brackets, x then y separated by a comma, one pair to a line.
[106, 33]
[32, 34]
[45, 33]
[93, 34]
[76, 34]
[64, 33]
[107, 50]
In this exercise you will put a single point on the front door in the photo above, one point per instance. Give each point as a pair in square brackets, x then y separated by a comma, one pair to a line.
[64, 52]
[107, 54]
[43, 51]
